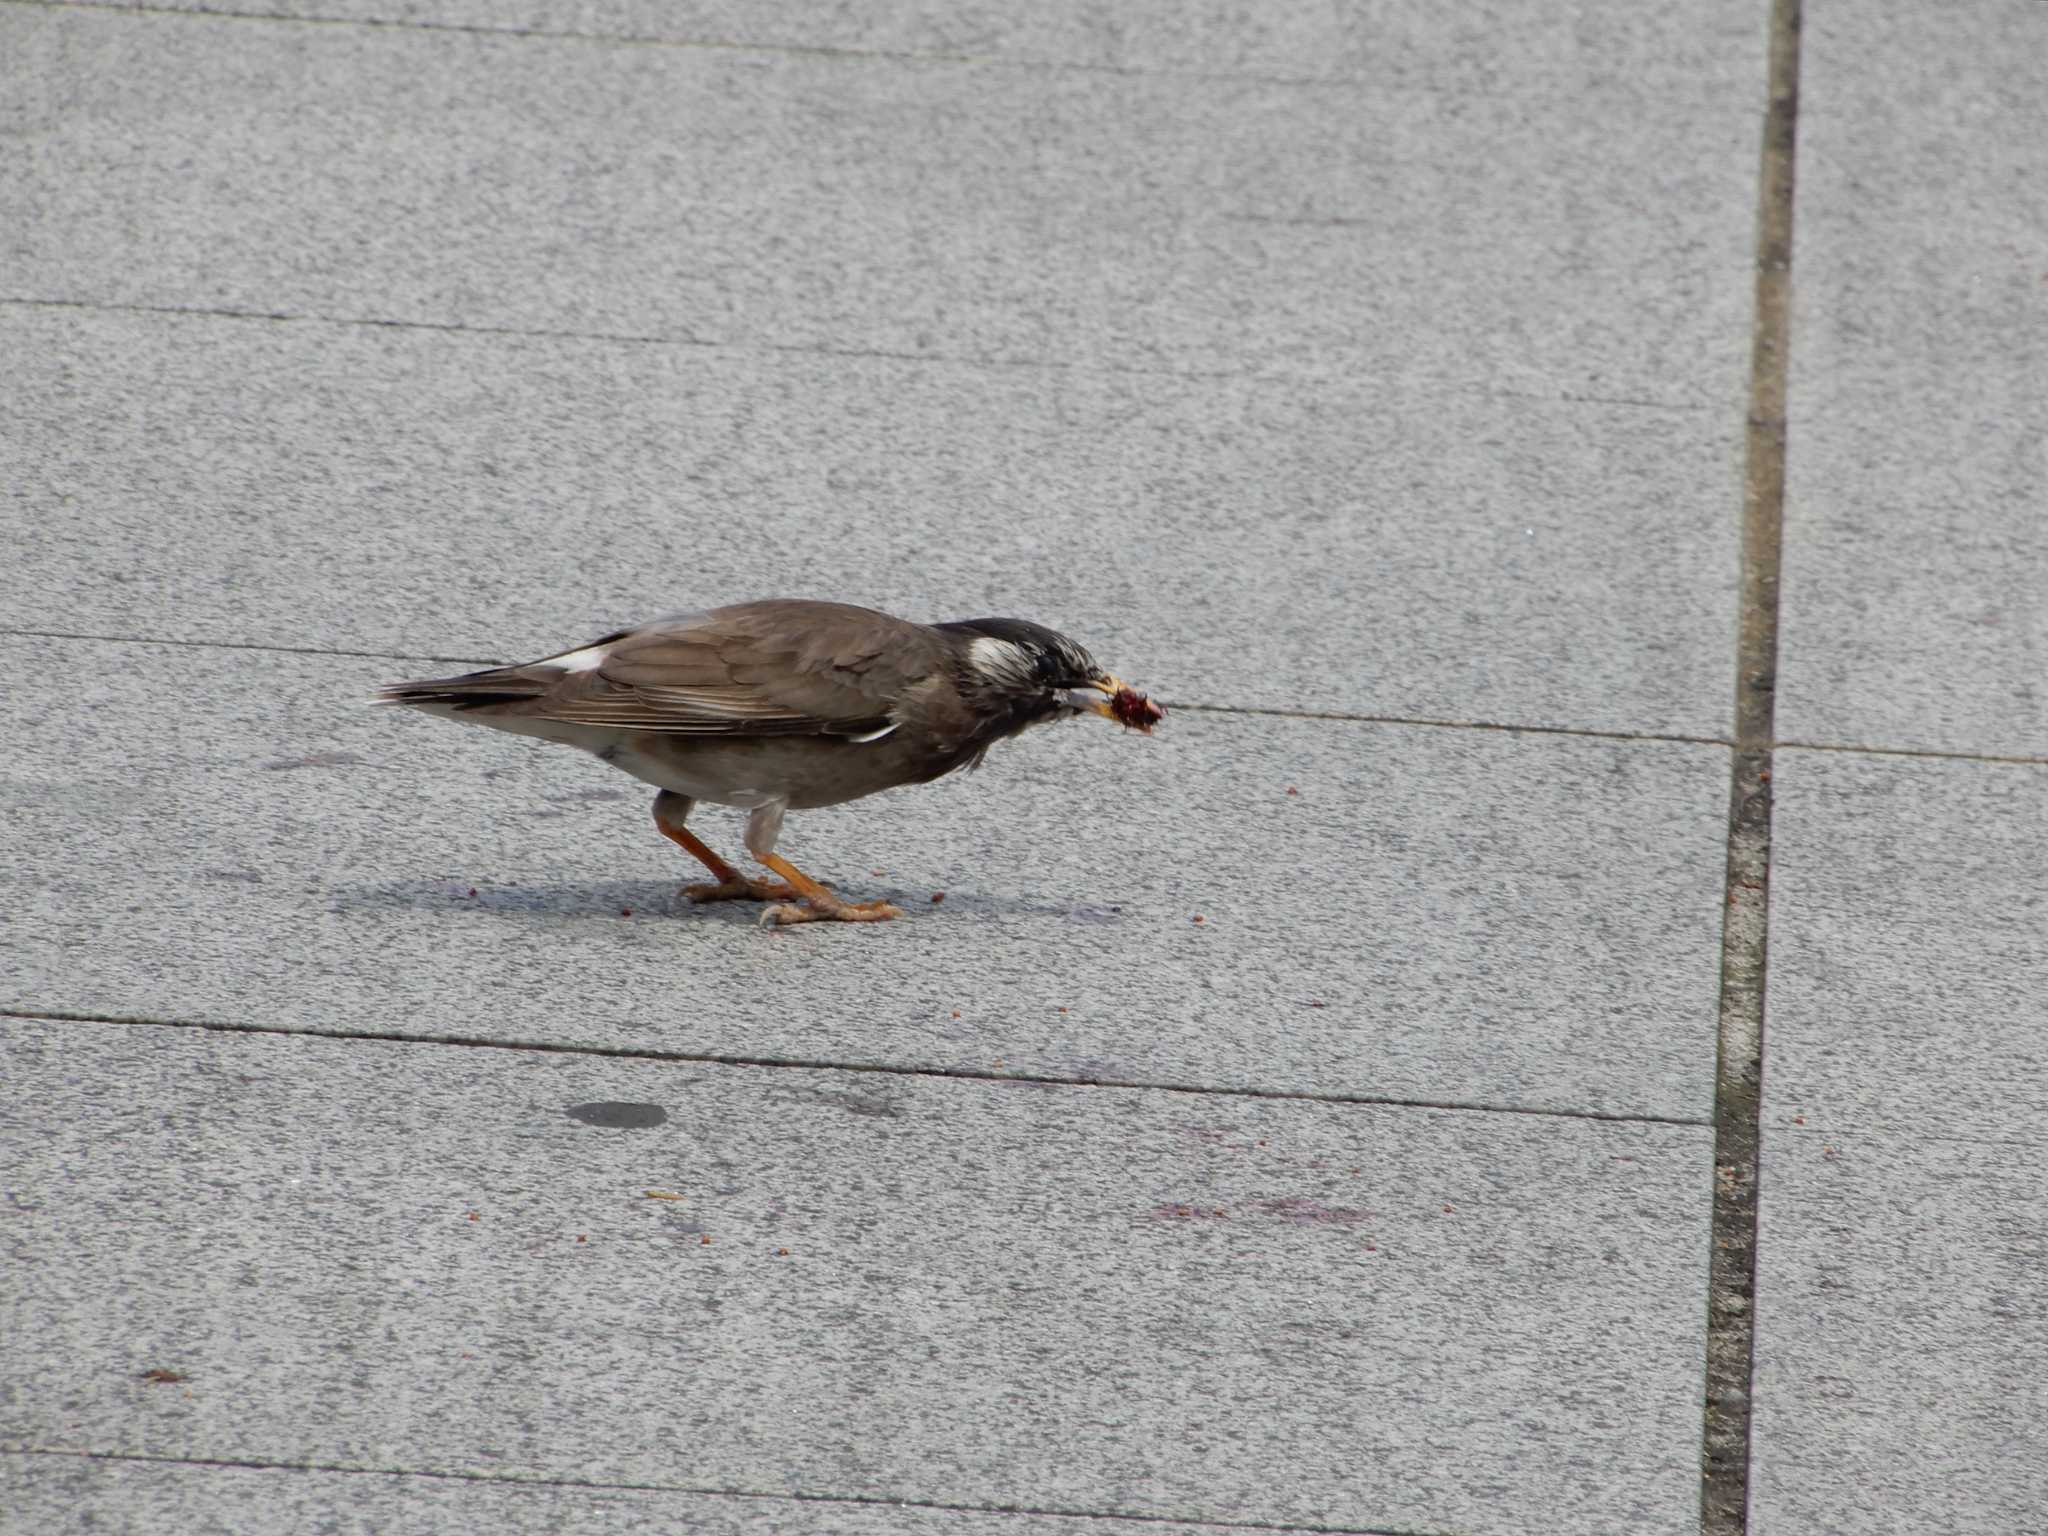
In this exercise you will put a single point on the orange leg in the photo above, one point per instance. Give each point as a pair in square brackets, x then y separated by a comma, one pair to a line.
[732, 885]
[820, 905]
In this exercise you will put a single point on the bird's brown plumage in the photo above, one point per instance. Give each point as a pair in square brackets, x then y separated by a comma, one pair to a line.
[779, 704]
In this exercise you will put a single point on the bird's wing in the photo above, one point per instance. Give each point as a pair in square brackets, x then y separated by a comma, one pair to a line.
[776, 668]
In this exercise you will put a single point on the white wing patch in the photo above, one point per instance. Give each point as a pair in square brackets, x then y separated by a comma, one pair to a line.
[875, 735]
[1002, 660]
[589, 659]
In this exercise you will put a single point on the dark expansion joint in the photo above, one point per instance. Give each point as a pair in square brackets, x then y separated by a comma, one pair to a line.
[1731, 1321]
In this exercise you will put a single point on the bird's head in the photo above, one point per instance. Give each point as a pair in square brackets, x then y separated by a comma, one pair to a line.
[1039, 672]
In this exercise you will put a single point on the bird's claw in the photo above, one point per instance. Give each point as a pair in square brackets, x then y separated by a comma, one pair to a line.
[829, 909]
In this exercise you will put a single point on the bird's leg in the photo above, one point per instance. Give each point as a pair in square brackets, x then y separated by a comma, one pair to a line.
[817, 905]
[669, 811]
[820, 905]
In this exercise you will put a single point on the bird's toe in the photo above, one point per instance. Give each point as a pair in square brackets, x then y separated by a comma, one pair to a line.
[741, 889]
[829, 910]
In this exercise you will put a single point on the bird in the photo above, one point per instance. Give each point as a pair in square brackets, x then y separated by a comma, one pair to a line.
[787, 704]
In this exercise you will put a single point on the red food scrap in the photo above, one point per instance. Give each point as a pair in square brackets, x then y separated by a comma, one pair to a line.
[1133, 710]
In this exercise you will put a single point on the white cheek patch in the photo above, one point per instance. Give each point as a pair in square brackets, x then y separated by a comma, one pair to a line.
[589, 659]
[1000, 659]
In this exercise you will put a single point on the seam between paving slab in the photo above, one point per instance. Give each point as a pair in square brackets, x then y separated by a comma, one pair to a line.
[1745, 936]
[857, 1500]
[630, 338]
[1429, 722]
[1268, 375]
[1408, 83]
[882, 1069]
[1340, 716]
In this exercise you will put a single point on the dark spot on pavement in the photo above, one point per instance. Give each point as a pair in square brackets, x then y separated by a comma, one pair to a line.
[1296, 1208]
[618, 1117]
[1190, 1212]
[318, 760]
[856, 1103]
[1096, 915]
[158, 1376]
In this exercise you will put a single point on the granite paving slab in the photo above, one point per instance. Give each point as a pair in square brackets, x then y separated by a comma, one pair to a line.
[1909, 935]
[1687, 50]
[1346, 547]
[1902, 1336]
[58, 1493]
[819, 200]
[1311, 906]
[475, 1261]
[1915, 541]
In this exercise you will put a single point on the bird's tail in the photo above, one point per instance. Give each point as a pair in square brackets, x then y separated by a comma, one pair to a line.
[494, 686]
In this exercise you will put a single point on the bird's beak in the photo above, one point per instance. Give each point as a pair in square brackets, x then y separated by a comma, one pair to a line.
[1104, 688]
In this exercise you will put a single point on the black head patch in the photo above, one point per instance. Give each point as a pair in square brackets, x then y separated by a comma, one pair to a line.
[1030, 655]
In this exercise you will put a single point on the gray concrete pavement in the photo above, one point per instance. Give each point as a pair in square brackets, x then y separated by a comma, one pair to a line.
[63, 1492]
[1693, 50]
[1900, 1347]
[1901, 1339]
[1900, 1330]
[376, 1254]
[1908, 945]
[1913, 582]
[1148, 910]
[1227, 541]
[1374, 384]
[931, 208]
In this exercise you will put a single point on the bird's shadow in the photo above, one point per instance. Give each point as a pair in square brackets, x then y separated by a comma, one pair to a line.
[664, 898]
[570, 899]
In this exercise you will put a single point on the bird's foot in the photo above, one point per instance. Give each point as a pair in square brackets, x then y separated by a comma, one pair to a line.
[742, 888]
[827, 908]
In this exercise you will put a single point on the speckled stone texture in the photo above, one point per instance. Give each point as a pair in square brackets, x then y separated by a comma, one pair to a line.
[392, 1255]
[1915, 540]
[1267, 543]
[1452, 916]
[61, 1492]
[1902, 1343]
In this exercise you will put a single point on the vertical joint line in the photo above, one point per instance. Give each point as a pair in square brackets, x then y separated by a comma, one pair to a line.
[1738, 1080]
